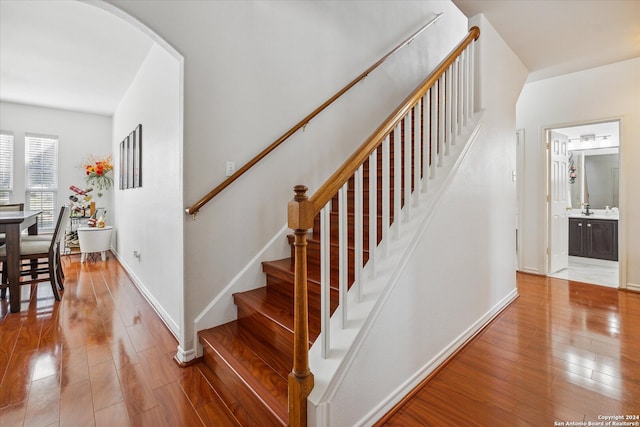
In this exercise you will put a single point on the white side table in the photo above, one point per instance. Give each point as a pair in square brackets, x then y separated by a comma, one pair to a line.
[93, 239]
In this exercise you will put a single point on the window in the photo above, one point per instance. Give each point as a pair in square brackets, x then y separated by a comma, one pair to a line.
[6, 167]
[41, 183]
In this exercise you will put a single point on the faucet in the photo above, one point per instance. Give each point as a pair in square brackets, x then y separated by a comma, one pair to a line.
[587, 212]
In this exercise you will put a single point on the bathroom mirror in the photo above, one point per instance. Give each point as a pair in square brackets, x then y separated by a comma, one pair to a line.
[595, 180]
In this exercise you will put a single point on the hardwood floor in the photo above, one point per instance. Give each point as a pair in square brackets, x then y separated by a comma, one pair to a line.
[99, 357]
[562, 351]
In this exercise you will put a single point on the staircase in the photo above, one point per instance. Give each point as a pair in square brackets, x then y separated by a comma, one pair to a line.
[247, 361]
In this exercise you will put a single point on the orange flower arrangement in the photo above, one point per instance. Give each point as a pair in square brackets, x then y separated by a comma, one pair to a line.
[97, 169]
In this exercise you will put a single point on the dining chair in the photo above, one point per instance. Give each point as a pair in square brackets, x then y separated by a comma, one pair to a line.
[8, 208]
[12, 207]
[47, 237]
[50, 270]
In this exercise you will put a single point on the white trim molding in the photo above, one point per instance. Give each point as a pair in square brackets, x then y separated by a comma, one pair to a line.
[185, 356]
[633, 287]
[171, 324]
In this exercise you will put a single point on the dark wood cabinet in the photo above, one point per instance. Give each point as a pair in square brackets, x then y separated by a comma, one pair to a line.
[593, 238]
[576, 236]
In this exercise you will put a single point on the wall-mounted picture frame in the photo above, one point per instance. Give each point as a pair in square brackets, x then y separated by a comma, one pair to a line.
[123, 164]
[137, 157]
[131, 160]
[120, 166]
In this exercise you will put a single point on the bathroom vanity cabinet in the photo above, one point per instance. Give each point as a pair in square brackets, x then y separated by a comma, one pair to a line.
[593, 238]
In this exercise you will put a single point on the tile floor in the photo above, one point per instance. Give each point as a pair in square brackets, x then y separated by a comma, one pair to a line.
[588, 270]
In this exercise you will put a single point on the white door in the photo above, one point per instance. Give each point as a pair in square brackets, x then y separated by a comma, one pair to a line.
[558, 201]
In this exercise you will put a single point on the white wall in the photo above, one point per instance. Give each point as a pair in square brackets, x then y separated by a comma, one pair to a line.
[149, 218]
[608, 92]
[252, 70]
[79, 135]
[462, 270]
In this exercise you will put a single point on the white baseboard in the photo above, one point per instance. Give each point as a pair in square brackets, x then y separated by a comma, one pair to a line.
[529, 270]
[592, 261]
[633, 287]
[185, 356]
[153, 302]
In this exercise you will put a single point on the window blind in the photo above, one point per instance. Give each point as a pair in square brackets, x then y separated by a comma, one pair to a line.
[6, 166]
[41, 162]
[41, 181]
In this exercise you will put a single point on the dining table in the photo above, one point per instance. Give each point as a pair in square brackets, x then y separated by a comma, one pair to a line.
[12, 223]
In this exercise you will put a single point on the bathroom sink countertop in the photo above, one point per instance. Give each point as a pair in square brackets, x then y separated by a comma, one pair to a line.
[595, 215]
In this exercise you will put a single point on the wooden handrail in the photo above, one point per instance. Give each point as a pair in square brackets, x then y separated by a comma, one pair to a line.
[193, 210]
[301, 212]
[349, 167]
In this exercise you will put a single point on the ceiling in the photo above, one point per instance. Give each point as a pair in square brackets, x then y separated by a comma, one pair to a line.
[607, 134]
[557, 37]
[67, 54]
[71, 55]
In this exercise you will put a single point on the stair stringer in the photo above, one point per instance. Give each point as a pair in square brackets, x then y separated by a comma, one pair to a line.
[329, 373]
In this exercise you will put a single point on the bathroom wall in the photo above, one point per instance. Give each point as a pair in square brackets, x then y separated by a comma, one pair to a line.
[568, 100]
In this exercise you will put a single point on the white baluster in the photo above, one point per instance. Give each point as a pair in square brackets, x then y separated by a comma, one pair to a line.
[454, 103]
[447, 114]
[472, 68]
[426, 138]
[373, 211]
[343, 252]
[459, 94]
[408, 146]
[465, 85]
[325, 278]
[466, 62]
[358, 246]
[385, 197]
[434, 130]
[417, 152]
[441, 116]
[397, 178]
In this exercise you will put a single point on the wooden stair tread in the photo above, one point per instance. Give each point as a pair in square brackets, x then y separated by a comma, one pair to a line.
[285, 267]
[278, 308]
[263, 382]
[217, 410]
[271, 304]
[263, 329]
[313, 252]
[234, 396]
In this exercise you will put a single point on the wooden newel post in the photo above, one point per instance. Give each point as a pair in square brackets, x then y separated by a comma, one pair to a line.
[300, 219]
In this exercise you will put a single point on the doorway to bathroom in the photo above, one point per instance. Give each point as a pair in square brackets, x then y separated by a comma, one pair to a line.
[584, 193]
